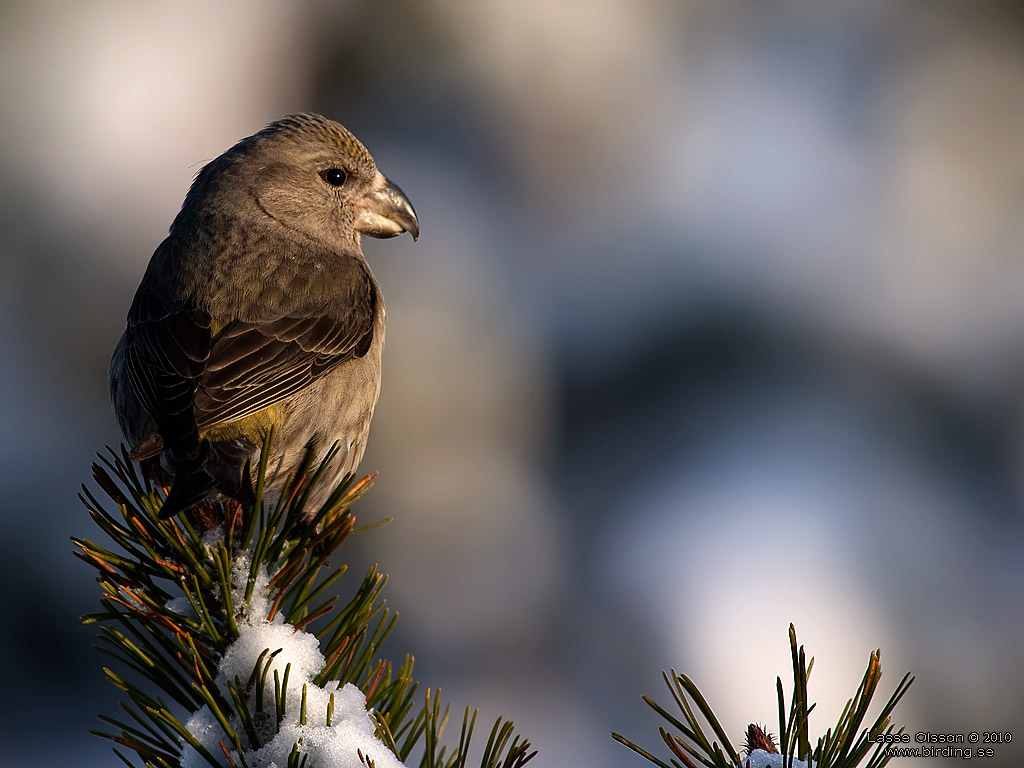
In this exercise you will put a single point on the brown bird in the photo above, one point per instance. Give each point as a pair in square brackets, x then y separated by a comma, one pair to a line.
[257, 311]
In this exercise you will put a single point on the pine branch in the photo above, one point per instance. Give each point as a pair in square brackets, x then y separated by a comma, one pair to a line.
[184, 600]
[846, 745]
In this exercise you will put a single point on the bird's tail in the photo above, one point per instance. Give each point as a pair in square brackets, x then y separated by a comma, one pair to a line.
[223, 465]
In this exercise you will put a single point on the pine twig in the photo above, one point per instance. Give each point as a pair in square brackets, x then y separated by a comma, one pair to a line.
[177, 594]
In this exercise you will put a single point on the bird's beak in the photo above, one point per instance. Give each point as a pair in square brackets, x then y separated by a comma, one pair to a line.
[386, 212]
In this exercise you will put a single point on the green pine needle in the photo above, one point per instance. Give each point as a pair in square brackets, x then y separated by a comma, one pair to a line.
[846, 745]
[172, 603]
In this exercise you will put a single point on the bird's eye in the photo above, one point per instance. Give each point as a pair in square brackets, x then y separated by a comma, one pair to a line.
[334, 176]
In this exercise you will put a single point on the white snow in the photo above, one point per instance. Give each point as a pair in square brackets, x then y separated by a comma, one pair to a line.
[182, 606]
[335, 745]
[760, 759]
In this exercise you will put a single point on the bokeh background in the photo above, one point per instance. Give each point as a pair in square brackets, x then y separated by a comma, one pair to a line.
[715, 324]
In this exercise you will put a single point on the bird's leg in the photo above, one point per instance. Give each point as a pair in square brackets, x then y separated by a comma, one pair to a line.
[233, 516]
[207, 516]
[204, 516]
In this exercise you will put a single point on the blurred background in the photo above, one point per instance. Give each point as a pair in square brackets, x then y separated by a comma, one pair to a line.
[715, 325]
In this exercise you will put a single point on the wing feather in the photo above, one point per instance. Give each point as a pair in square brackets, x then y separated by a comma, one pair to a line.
[190, 379]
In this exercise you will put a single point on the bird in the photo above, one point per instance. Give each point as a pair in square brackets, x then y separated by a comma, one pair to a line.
[259, 311]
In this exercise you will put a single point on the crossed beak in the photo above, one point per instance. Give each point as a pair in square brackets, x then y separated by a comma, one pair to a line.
[386, 211]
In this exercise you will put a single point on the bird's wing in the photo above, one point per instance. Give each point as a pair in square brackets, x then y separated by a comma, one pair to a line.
[167, 347]
[255, 364]
[190, 378]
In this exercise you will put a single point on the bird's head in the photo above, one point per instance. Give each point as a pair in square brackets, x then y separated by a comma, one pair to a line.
[310, 175]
